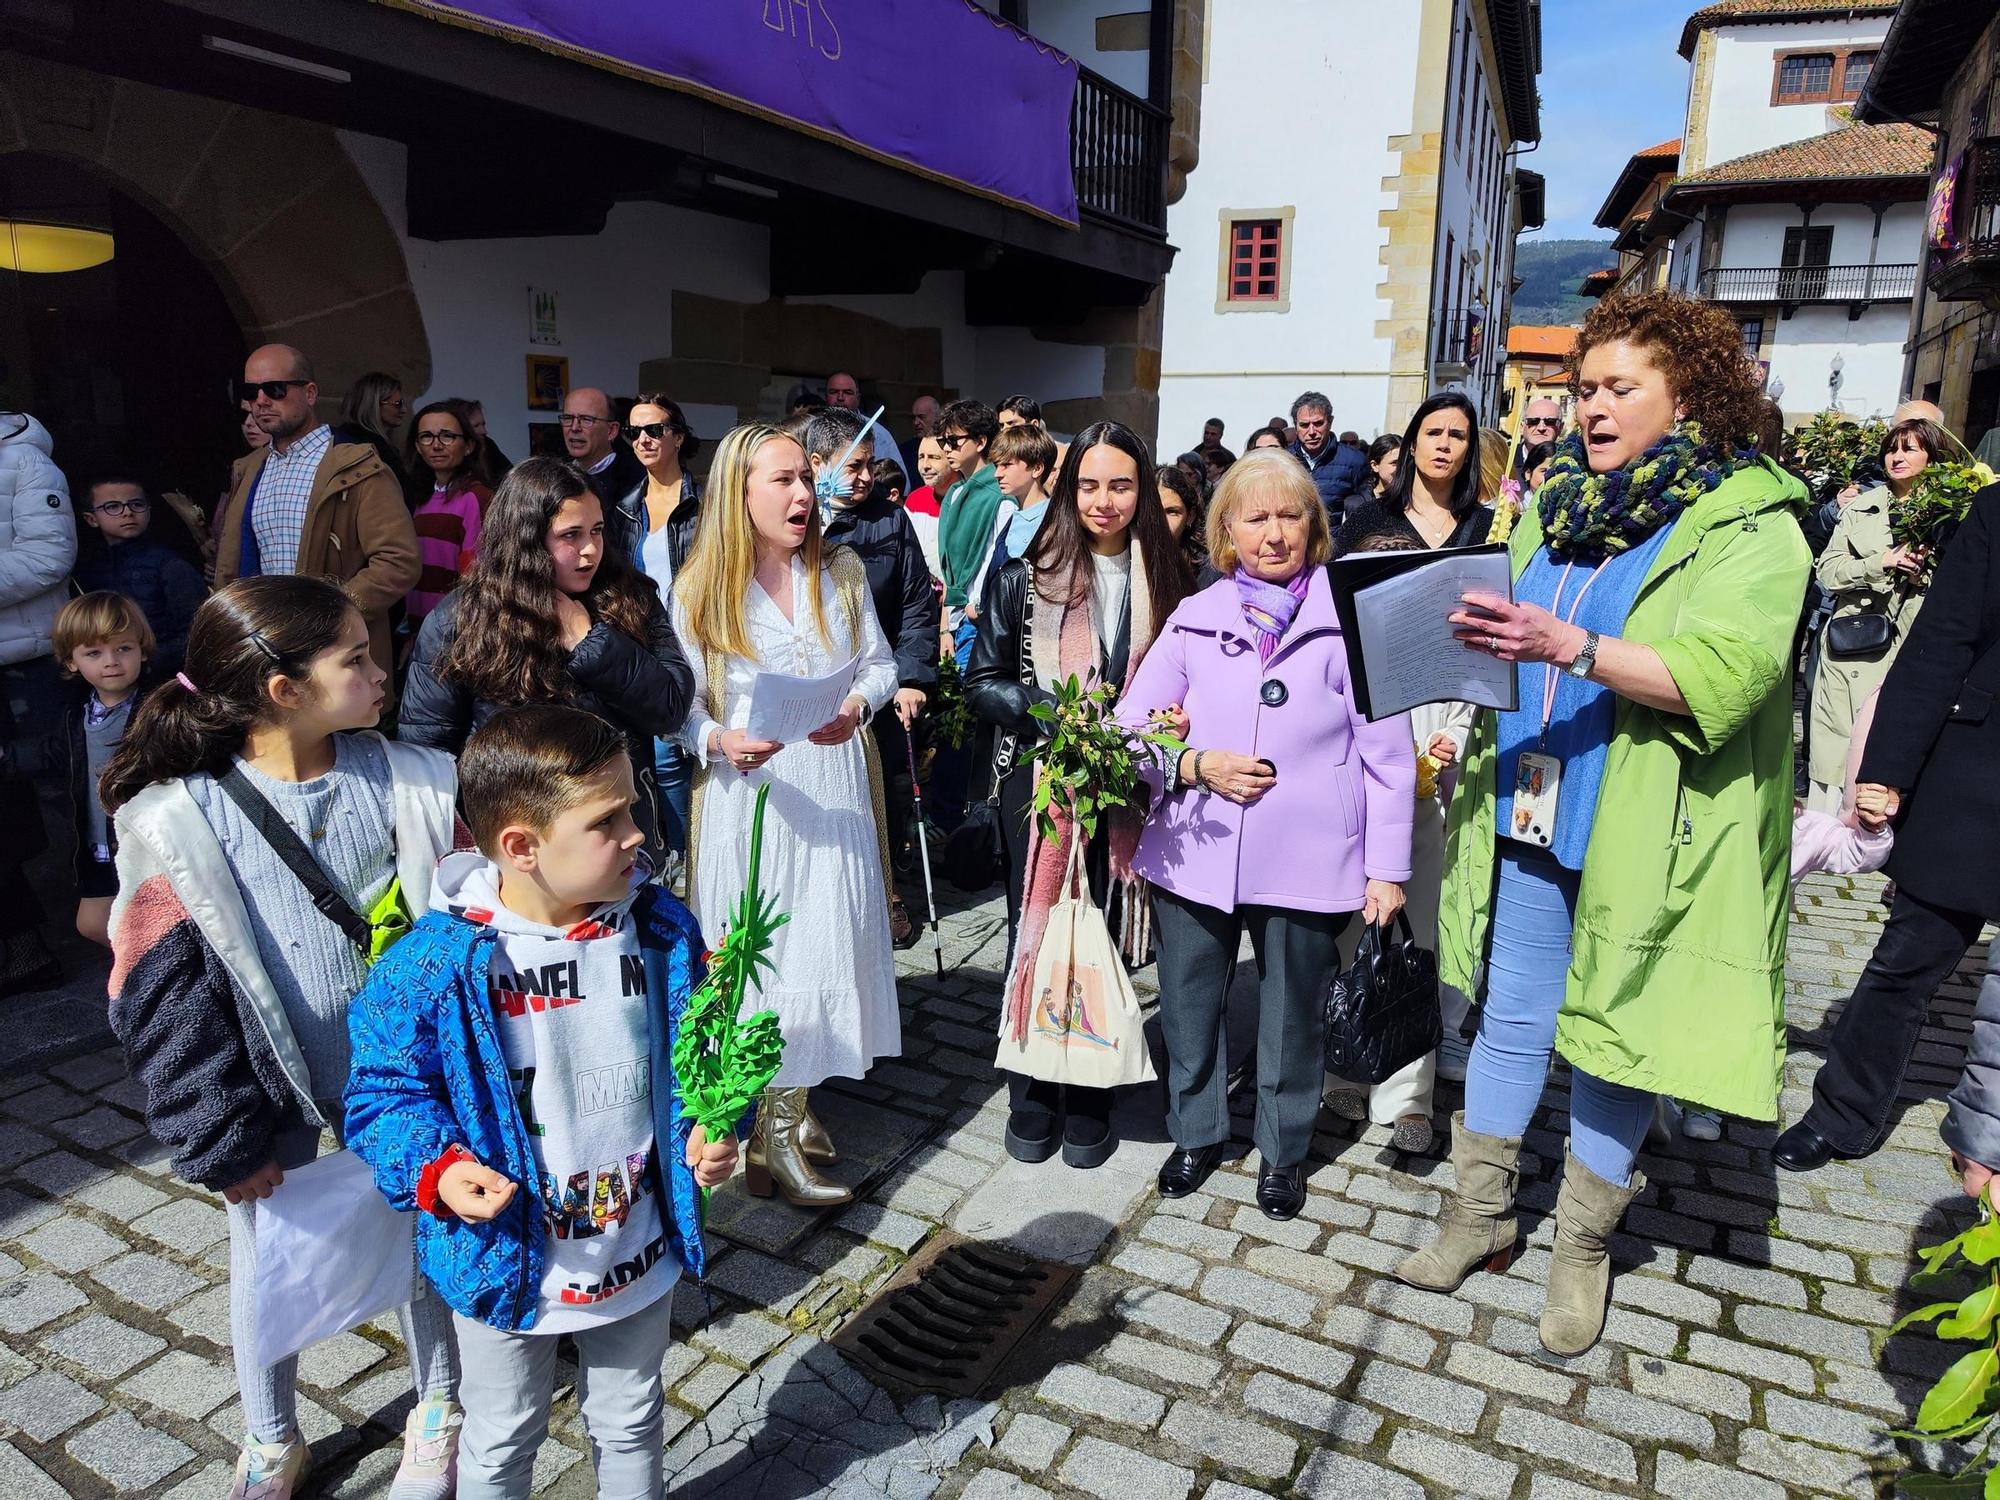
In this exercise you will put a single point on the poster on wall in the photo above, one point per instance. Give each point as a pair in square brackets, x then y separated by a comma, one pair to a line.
[548, 381]
[542, 327]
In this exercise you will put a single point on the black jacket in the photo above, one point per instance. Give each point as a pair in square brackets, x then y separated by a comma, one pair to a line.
[612, 484]
[643, 690]
[1936, 734]
[899, 581]
[165, 586]
[994, 687]
[1366, 518]
[632, 525]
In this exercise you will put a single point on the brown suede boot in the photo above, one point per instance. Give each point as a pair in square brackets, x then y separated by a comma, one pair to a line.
[1477, 1226]
[1587, 1210]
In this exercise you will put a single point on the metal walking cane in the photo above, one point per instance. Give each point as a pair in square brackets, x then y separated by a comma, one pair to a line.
[924, 850]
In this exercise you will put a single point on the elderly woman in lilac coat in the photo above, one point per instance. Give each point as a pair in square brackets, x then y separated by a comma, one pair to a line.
[1288, 814]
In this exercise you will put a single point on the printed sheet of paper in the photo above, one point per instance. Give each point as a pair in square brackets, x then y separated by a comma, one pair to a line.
[331, 1254]
[1407, 647]
[787, 709]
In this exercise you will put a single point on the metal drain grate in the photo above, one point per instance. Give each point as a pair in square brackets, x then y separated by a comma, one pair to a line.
[950, 1317]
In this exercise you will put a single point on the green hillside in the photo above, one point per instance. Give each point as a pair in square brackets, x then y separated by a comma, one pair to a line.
[1549, 272]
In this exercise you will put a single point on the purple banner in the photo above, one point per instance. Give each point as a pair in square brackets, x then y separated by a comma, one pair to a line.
[940, 86]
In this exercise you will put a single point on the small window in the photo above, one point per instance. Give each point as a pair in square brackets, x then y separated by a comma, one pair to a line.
[1854, 74]
[1753, 335]
[1256, 257]
[1804, 77]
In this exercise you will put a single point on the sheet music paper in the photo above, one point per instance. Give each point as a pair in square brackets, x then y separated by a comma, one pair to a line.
[1407, 648]
[790, 708]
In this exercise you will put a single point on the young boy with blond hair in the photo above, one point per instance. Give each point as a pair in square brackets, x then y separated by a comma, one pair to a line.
[104, 641]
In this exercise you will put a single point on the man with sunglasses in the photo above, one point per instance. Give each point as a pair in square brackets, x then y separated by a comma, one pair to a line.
[147, 571]
[1541, 423]
[309, 504]
[590, 436]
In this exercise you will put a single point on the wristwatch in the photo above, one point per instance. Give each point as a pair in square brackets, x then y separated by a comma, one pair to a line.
[1586, 656]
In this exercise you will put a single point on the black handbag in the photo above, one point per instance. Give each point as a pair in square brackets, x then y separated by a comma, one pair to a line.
[1857, 635]
[1382, 1013]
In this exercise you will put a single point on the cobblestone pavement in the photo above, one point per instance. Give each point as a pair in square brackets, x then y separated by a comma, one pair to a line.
[1204, 1350]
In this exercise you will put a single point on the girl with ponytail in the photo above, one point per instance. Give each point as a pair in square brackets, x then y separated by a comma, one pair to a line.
[253, 801]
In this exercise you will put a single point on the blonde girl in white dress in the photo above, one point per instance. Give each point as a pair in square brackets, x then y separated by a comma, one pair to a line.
[761, 593]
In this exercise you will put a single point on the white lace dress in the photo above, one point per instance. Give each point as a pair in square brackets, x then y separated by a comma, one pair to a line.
[834, 986]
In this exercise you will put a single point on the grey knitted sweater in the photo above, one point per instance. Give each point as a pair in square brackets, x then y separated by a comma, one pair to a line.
[344, 818]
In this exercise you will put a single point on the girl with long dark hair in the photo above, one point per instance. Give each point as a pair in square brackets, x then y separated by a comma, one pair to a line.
[550, 614]
[1102, 575]
[230, 983]
[1434, 497]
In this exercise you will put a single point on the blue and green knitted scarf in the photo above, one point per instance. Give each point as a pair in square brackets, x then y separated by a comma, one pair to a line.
[1588, 517]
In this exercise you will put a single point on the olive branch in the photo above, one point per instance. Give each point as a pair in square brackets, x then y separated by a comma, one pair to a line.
[1090, 763]
[1963, 1401]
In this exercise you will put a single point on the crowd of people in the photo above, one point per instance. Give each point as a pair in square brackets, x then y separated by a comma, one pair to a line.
[422, 757]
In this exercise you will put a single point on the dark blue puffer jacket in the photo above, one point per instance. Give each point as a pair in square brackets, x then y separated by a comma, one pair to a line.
[166, 587]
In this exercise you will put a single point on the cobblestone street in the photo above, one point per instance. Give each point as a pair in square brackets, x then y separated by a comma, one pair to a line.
[1204, 1351]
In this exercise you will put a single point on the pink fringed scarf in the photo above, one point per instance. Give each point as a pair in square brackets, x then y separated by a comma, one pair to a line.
[1064, 644]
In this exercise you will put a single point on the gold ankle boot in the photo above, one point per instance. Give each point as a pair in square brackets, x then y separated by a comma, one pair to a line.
[775, 1157]
[814, 1139]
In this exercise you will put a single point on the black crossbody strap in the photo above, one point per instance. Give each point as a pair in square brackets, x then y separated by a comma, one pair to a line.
[291, 849]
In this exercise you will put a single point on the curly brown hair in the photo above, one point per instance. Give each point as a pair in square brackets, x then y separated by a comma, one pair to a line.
[1697, 346]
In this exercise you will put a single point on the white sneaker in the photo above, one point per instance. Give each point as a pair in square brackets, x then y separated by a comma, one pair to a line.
[270, 1471]
[429, 1470]
[1454, 1054]
[1699, 1124]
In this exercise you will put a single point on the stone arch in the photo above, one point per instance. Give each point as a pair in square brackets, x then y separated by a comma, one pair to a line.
[272, 205]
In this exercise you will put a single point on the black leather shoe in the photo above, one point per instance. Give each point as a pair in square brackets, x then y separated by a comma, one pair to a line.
[1087, 1142]
[1031, 1137]
[1802, 1148]
[1281, 1191]
[1184, 1171]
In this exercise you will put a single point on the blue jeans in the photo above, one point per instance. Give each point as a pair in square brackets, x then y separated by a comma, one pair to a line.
[1527, 967]
[673, 768]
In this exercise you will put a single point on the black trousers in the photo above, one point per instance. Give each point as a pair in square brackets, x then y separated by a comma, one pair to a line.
[1877, 1031]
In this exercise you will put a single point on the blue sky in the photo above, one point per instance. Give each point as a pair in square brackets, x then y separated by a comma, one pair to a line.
[1611, 84]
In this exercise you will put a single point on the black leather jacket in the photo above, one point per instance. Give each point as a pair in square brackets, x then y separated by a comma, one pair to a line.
[994, 689]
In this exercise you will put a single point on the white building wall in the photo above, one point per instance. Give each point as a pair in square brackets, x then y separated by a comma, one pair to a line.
[1754, 234]
[1871, 354]
[1741, 116]
[1262, 69]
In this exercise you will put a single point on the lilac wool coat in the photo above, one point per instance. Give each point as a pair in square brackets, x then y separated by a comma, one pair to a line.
[1340, 811]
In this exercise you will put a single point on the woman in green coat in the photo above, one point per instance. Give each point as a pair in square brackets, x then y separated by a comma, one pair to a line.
[1618, 849]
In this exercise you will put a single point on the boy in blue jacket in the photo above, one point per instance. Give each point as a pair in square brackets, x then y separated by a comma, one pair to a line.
[513, 1082]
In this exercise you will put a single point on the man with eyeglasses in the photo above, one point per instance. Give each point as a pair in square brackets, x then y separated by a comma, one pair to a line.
[308, 504]
[165, 585]
[590, 435]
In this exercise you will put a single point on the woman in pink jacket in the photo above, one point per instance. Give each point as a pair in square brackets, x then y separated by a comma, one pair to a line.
[1288, 813]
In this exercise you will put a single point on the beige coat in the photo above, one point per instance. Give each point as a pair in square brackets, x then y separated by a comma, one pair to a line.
[1851, 571]
[357, 532]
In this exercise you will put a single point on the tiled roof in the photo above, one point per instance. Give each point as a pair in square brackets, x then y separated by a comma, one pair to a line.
[1665, 148]
[1854, 152]
[1739, 12]
[1530, 342]
[1597, 283]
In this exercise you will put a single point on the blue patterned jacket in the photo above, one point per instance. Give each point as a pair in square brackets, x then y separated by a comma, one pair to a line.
[428, 1073]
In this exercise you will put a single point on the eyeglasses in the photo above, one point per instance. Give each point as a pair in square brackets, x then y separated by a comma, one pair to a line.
[272, 390]
[439, 439]
[657, 431]
[1543, 422]
[123, 507]
[579, 419]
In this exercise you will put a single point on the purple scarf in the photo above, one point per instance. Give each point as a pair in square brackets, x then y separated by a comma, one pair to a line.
[1269, 607]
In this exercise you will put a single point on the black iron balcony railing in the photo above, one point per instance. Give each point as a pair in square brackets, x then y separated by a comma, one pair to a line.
[1459, 337]
[1890, 283]
[1970, 269]
[1118, 153]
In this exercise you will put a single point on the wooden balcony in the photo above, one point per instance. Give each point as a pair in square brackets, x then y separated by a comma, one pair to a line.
[1970, 270]
[1118, 153]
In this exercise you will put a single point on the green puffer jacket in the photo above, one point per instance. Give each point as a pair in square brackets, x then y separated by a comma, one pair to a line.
[1677, 968]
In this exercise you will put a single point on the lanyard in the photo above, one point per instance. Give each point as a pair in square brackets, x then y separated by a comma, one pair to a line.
[1549, 669]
